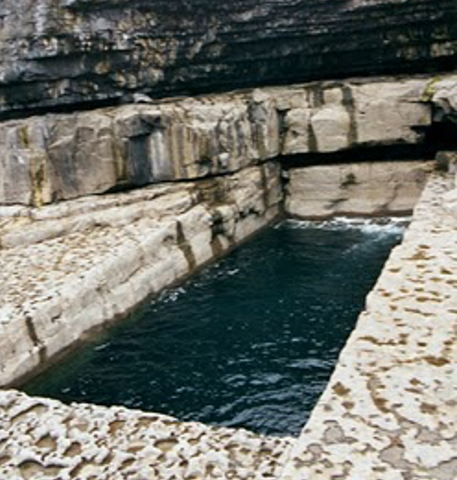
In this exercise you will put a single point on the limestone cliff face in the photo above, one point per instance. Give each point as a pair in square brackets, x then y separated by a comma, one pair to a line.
[56, 53]
[48, 158]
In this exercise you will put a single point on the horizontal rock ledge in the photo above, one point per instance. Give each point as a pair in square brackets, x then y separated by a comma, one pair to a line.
[60, 157]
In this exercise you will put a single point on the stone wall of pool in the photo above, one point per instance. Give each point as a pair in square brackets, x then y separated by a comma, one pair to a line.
[49, 158]
[82, 245]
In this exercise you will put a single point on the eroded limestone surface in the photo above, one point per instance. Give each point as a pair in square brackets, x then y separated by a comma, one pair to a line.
[42, 439]
[390, 409]
[68, 268]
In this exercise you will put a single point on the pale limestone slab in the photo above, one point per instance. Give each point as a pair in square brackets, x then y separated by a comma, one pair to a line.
[43, 439]
[390, 409]
[368, 188]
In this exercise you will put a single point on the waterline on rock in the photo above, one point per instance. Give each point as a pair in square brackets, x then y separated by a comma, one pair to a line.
[387, 225]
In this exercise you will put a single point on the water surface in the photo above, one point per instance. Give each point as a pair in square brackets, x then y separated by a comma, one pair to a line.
[249, 342]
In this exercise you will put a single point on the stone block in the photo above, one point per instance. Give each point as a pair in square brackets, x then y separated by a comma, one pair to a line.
[297, 130]
[331, 126]
[381, 188]
[387, 113]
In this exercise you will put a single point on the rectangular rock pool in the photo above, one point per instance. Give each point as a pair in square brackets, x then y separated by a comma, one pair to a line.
[250, 341]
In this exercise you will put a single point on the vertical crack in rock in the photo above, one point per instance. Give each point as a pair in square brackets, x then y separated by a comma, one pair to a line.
[185, 247]
[349, 104]
[36, 169]
[140, 168]
[35, 339]
[312, 140]
[316, 97]
[282, 129]
[264, 186]
[218, 234]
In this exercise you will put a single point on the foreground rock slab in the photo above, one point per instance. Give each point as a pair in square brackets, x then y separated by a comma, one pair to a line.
[390, 409]
[56, 441]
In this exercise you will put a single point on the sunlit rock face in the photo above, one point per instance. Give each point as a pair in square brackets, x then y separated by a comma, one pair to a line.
[365, 189]
[49, 158]
[67, 53]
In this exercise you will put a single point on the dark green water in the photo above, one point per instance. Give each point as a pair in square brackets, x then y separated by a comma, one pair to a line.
[250, 341]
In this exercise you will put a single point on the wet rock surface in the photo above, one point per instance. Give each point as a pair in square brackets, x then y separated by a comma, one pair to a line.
[76, 53]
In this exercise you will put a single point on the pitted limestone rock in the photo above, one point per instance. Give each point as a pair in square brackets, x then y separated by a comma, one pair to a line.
[56, 441]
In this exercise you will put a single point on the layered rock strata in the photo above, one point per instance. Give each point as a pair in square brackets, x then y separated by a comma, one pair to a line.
[390, 410]
[68, 269]
[60, 157]
[68, 53]
[343, 187]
